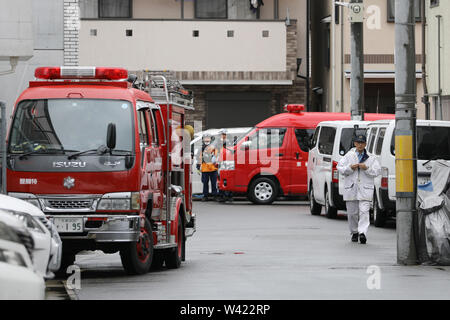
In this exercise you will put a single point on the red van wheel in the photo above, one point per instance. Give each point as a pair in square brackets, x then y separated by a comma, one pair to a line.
[263, 191]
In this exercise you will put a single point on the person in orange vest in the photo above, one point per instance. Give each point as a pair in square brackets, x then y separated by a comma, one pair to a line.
[222, 145]
[207, 164]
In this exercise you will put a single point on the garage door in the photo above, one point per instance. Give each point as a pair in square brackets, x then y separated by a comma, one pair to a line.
[236, 109]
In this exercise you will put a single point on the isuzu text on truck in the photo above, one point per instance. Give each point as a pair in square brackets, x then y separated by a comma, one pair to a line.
[103, 158]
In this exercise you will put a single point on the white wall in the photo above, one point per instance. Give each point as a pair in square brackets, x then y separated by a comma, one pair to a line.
[47, 29]
[170, 45]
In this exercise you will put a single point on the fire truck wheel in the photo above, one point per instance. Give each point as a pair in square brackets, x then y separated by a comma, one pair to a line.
[67, 259]
[174, 256]
[137, 256]
[158, 260]
[263, 191]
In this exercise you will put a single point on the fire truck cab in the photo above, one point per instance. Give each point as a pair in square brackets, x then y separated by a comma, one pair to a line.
[103, 158]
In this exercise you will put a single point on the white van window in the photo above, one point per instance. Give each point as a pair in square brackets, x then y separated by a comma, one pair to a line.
[433, 143]
[326, 140]
[315, 137]
[380, 140]
[303, 138]
[346, 142]
[372, 135]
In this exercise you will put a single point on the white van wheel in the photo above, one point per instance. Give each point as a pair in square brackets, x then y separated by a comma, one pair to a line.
[379, 217]
[314, 207]
[330, 212]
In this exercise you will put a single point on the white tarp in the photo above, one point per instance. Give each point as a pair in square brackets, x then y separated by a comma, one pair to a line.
[435, 209]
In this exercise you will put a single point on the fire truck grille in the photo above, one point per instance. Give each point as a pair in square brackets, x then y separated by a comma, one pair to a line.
[70, 204]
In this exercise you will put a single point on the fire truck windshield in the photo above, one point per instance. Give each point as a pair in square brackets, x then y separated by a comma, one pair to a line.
[69, 125]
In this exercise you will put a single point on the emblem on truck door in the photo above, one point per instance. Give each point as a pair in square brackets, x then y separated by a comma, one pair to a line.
[69, 183]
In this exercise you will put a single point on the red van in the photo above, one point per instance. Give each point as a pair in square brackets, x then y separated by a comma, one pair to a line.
[271, 159]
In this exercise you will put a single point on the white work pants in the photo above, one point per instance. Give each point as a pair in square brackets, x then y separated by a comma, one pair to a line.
[358, 216]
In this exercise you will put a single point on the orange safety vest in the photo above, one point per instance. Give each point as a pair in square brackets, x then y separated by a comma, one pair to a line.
[208, 166]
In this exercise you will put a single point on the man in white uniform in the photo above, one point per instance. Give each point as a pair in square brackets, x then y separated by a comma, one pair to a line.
[358, 170]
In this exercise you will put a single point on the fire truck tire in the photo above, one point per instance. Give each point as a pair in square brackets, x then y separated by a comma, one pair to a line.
[174, 256]
[137, 256]
[158, 260]
[263, 191]
[67, 259]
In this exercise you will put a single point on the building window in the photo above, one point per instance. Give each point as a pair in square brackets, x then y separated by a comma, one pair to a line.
[391, 10]
[114, 8]
[211, 9]
[434, 3]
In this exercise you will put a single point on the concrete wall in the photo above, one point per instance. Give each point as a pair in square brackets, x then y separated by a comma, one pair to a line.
[171, 45]
[48, 49]
[432, 47]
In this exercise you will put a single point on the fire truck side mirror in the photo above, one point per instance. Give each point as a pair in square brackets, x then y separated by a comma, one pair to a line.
[111, 136]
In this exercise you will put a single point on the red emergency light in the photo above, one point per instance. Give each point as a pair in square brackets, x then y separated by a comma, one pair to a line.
[294, 108]
[53, 73]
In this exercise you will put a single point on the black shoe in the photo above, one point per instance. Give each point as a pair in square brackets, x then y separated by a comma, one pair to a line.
[355, 237]
[362, 238]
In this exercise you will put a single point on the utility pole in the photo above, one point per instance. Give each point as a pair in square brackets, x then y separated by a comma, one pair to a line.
[3, 145]
[357, 60]
[405, 131]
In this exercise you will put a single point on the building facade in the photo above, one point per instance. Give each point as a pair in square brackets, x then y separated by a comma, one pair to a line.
[239, 57]
[54, 35]
[437, 66]
[331, 57]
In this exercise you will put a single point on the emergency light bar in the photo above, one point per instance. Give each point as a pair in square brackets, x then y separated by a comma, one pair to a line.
[294, 108]
[52, 73]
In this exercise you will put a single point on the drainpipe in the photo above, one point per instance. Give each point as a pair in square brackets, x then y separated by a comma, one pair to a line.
[439, 106]
[3, 145]
[425, 98]
[308, 57]
[333, 59]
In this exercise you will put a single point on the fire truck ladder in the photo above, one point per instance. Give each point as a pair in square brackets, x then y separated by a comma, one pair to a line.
[164, 88]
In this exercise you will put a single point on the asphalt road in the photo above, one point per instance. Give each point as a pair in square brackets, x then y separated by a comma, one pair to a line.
[244, 251]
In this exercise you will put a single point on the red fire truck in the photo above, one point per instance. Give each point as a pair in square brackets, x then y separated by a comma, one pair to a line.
[103, 158]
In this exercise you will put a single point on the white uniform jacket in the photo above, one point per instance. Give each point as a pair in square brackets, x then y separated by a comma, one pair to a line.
[358, 184]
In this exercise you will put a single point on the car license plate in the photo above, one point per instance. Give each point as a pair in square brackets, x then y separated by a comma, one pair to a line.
[69, 224]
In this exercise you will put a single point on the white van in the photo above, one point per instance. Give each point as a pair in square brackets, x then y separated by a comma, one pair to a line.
[433, 142]
[331, 141]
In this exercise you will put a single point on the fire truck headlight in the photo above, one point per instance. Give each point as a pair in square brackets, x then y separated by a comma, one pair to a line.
[105, 204]
[121, 204]
[120, 201]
